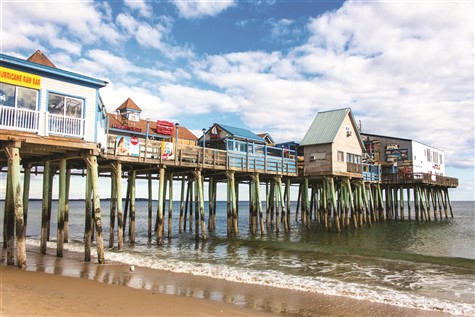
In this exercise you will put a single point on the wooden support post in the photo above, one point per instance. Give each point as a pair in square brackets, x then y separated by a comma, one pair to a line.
[199, 182]
[192, 199]
[215, 197]
[149, 206]
[26, 193]
[433, 195]
[448, 201]
[127, 203]
[439, 197]
[427, 202]
[409, 203]
[259, 204]
[188, 198]
[165, 187]
[232, 212]
[305, 209]
[50, 199]
[97, 209]
[401, 203]
[298, 203]
[113, 209]
[234, 205]
[396, 203]
[160, 205]
[88, 217]
[9, 220]
[336, 219]
[283, 205]
[132, 206]
[271, 208]
[229, 211]
[61, 207]
[211, 205]
[277, 204]
[416, 202]
[253, 204]
[170, 204]
[66, 206]
[443, 193]
[312, 201]
[16, 217]
[182, 204]
[287, 199]
[120, 220]
[197, 210]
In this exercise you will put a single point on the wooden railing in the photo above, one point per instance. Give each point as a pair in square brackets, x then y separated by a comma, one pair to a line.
[67, 126]
[207, 158]
[354, 168]
[18, 119]
[419, 178]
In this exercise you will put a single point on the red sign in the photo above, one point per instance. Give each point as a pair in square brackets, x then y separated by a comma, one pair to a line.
[134, 140]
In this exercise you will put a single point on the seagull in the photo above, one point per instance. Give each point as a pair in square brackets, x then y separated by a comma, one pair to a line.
[132, 268]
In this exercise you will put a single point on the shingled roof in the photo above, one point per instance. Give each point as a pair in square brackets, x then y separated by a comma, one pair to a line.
[129, 104]
[39, 58]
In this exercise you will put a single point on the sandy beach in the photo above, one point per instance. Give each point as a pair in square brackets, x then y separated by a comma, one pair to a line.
[68, 286]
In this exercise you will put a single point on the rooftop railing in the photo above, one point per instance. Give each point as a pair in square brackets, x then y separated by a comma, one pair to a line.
[18, 119]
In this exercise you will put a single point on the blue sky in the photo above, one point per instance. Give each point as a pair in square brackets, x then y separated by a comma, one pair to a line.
[405, 68]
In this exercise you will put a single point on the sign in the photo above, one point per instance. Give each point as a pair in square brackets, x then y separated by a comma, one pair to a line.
[17, 78]
[168, 151]
[127, 146]
[123, 127]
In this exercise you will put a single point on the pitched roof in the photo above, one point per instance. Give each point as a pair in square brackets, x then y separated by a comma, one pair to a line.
[242, 133]
[325, 126]
[129, 104]
[183, 133]
[39, 58]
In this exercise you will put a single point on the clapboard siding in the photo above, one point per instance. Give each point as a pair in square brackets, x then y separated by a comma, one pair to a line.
[89, 95]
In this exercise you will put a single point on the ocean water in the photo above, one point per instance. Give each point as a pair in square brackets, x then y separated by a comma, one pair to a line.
[424, 265]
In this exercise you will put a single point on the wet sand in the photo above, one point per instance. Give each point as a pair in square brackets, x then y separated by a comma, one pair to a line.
[68, 286]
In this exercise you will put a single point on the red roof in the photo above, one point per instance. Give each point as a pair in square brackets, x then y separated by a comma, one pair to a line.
[39, 58]
[129, 104]
[183, 133]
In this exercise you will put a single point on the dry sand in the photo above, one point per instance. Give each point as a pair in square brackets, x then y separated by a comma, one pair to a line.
[68, 286]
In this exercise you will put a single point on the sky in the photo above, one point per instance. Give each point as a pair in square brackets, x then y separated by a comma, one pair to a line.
[405, 68]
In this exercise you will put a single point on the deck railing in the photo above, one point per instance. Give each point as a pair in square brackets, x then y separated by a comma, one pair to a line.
[18, 119]
[66, 126]
[186, 155]
[419, 178]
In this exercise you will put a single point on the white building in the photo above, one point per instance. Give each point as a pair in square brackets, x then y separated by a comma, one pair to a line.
[36, 97]
[407, 155]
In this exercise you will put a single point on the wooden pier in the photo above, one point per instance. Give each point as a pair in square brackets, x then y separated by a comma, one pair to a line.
[338, 186]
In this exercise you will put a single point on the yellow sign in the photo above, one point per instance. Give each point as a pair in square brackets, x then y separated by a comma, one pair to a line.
[15, 77]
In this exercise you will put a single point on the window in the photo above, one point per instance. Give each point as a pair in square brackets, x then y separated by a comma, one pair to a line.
[18, 97]
[340, 156]
[440, 161]
[428, 155]
[435, 157]
[353, 158]
[65, 106]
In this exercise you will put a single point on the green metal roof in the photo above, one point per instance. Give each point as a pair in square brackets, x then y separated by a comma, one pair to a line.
[325, 126]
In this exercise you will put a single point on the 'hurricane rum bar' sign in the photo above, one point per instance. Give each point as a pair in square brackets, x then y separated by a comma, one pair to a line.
[17, 78]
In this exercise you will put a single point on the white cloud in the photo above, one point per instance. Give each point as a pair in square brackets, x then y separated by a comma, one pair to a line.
[189, 100]
[141, 6]
[407, 68]
[25, 24]
[198, 9]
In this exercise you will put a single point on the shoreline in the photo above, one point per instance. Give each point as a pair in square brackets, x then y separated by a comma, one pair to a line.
[70, 286]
